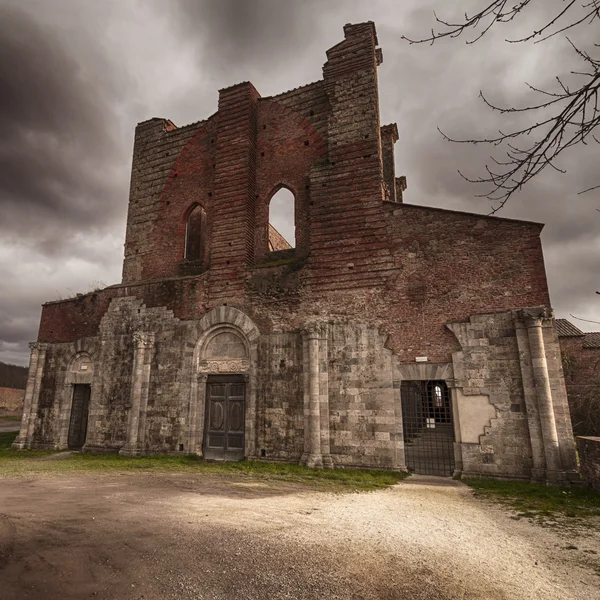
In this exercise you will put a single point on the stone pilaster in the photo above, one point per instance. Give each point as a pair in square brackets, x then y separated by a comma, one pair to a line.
[32, 396]
[539, 367]
[312, 456]
[136, 424]
[324, 397]
[538, 471]
[196, 413]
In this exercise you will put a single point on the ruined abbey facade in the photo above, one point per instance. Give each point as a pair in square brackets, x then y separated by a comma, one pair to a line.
[391, 336]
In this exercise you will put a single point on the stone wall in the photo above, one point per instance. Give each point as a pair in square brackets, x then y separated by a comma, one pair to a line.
[589, 459]
[514, 360]
[329, 328]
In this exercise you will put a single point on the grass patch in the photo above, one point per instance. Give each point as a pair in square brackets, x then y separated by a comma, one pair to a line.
[532, 500]
[25, 463]
[11, 418]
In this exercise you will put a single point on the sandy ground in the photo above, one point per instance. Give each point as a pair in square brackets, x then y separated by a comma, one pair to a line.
[179, 536]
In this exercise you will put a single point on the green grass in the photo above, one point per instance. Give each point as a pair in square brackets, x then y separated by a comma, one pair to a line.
[538, 501]
[12, 418]
[25, 463]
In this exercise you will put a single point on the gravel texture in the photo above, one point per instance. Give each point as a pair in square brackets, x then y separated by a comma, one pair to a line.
[178, 536]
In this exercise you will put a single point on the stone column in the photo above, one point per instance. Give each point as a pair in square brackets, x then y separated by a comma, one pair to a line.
[458, 457]
[37, 361]
[196, 413]
[136, 424]
[324, 397]
[538, 470]
[65, 415]
[554, 471]
[312, 413]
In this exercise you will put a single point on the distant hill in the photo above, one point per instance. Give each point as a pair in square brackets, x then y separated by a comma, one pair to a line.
[13, 376]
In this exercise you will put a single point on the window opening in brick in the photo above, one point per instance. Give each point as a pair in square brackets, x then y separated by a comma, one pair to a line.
[282, 226]
[195, 234]
[438, 396]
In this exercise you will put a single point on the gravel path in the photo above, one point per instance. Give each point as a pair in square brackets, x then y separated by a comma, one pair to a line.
[179, 537]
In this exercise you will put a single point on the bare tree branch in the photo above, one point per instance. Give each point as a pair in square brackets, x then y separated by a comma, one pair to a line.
[569, 116]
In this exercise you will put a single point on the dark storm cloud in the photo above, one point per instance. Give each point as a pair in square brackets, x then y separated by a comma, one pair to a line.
[63, 171]
[56, 144]
[260, 32]
[76, 76]
[445, 81]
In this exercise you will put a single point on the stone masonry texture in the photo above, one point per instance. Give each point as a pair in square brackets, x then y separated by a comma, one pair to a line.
[323, 333]
[589, 455]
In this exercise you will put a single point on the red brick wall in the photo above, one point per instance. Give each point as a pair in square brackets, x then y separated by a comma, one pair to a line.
[190, 181]
[451, 265]
[157, 144]
[406, 269]
[70, 320]
[288, 147]
[581, 367]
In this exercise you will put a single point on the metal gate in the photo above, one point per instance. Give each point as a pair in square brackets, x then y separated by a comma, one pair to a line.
[225, 417]
[79, 415]
[427, 426]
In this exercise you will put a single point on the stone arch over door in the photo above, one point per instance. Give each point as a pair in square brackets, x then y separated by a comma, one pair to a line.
[80, 370]
[226, 344]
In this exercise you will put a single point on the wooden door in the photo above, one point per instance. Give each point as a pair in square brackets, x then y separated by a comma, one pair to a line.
[79, 416]
[225, 418]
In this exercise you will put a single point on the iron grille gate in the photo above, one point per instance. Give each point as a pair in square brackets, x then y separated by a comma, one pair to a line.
[79, 415]
[427, 427]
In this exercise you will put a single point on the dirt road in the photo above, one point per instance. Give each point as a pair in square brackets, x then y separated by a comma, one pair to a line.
[178, 537]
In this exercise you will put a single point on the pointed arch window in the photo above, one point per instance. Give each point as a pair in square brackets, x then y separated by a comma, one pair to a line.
[195, 234]
[282, 221]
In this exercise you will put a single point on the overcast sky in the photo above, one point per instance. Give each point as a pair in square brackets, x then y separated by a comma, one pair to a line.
[77, 75]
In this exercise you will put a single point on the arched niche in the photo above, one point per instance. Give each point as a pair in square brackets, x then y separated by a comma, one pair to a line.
[227, 344]
[224, 350]
[195, 234]
[81, 369]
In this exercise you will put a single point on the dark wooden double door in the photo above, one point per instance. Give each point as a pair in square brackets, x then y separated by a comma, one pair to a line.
[225, 418]
[79, 416]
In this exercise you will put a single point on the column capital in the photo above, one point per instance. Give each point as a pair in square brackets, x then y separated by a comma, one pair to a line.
[534, 317]
[316, 331]
[143, 339]
[39, 346]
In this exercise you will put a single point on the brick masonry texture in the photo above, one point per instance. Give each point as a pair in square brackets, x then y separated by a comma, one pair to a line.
[330, 328]
[581, 364]
[11, 400]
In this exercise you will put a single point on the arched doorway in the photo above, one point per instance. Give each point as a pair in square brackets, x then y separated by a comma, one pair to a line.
[212, 355]
[79, 381]
[225, 359]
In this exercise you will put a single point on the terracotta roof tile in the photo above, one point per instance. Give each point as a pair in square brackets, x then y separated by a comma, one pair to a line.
[567, 329]
[592, 340]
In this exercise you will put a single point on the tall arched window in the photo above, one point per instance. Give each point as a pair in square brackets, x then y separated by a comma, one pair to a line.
[282, 224]
[195, 234]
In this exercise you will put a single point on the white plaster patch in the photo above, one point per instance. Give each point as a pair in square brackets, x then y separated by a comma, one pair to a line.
[474, 413]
